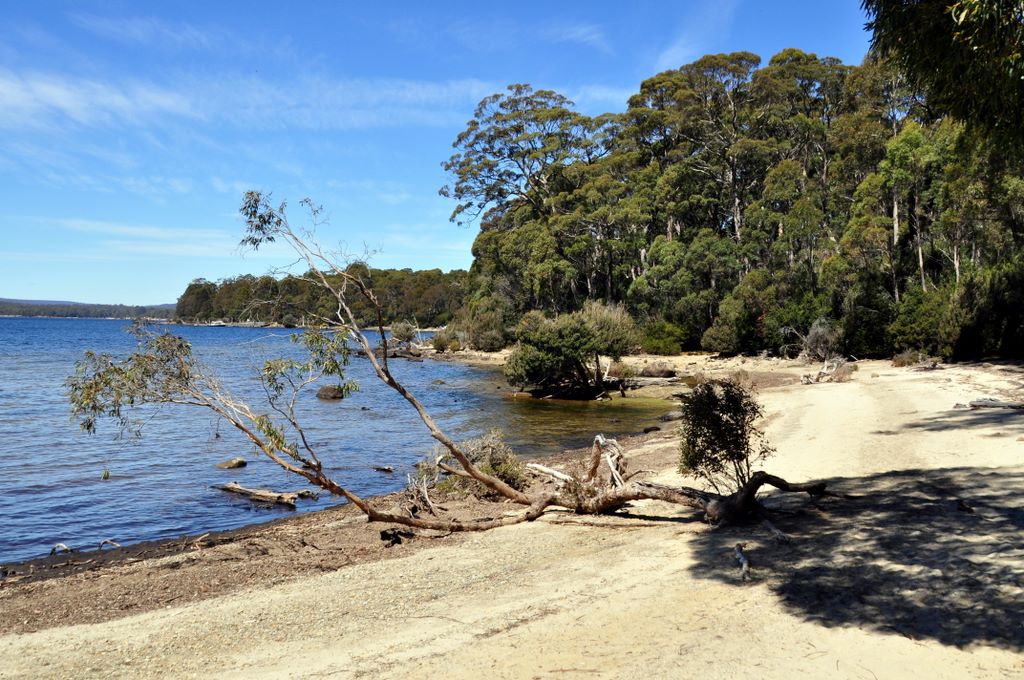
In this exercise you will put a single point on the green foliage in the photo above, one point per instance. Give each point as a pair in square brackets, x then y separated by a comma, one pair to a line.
[483, 324]
[446, 340]
[990, 307]
[742, 323]
[514, 141]
[326, 355]
[720, 443]
[550, 351]
[923, 322]
[84, 311]
[559, 351]
[161, 370]
[430, 296]
[967, 54]
[732, 200]
[662, 337]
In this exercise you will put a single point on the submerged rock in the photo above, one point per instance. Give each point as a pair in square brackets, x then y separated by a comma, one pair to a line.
[232, 464]
[330, 393]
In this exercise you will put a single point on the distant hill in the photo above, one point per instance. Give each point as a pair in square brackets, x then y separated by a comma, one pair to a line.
[10, 307]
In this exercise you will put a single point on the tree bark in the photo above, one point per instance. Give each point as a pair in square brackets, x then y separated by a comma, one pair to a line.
[287, 499]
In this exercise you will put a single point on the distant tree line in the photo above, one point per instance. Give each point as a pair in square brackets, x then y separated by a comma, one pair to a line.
[733, 200]
[82, 310]
[428, 298]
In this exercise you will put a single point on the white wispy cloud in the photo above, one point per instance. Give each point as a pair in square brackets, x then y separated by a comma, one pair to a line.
[322, 102]
[590, 35]
[140, 231]
[36, 99]
[150, 31]
[389, 193]
[709, 19]
[173, 249]
[225, 186]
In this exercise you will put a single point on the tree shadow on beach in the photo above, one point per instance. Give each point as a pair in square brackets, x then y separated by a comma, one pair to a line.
[928, 554]
[960, 419]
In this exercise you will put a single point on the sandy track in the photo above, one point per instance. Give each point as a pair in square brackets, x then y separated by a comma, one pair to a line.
[907, 589]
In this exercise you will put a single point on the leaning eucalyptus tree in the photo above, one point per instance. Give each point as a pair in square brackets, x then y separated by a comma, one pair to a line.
[165, 371]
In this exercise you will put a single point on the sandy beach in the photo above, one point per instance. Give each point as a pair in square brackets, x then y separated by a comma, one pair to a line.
[919, 574]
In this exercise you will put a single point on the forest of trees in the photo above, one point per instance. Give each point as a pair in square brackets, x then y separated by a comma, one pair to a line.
[732, 200]
[83, 310]
[429, 298]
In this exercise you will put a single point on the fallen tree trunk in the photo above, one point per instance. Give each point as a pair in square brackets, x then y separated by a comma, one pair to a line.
[587, 492]
[994, 403]
[286, 498]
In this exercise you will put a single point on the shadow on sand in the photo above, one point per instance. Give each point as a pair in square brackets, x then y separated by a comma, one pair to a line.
[928, 554]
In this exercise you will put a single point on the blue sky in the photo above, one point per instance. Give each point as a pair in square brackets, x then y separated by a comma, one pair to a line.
[129, 130]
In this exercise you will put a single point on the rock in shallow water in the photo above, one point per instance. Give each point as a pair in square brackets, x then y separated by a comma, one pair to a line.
[232, 464]
[330, 393]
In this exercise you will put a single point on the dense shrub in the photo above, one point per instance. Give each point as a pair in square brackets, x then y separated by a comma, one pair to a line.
[446, 340]
[741, 322]
[923, 322]
[482, 324]
[565, 350]
[990, 311]
[662, 337]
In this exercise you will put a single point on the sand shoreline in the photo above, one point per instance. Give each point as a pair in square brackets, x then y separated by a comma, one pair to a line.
[897, 583]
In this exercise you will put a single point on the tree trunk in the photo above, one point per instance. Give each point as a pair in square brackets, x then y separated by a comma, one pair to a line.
[895, 217]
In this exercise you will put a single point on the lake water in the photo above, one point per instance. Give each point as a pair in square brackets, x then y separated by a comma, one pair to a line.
[160, 486]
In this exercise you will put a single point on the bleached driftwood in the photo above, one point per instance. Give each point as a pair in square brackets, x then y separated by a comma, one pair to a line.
[641, 381]
[560, 477]
[286, 498]
[828, 369]
[419, 488]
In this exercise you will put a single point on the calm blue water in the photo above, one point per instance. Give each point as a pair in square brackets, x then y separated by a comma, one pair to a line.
[51, 489]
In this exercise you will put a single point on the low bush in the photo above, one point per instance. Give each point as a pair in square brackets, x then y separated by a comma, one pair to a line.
[908, 357]
[492, 456]
[844, 373]
[446, 340]
[621, 370]
[403, 332]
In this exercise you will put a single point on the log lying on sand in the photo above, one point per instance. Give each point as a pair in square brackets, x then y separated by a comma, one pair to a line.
[994, 403]
[286, 498]
[643, 381]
